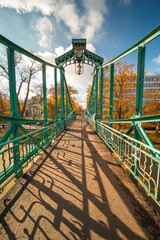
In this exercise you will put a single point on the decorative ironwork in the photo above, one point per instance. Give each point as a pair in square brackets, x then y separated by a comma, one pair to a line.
[141, 159]
[15, 154]
[145, 168]
[79, 54]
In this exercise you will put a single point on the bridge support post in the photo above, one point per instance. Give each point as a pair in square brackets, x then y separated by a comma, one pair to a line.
[111, 93]
[101, 94]
[56, 100]
[66, 100]
[55, 92]
[14, 113]
[91, 99]
[140, 80]
[62, 93]
[92, 96]
[139, 101]
[96, 94]
[44, 93]
[44, 99]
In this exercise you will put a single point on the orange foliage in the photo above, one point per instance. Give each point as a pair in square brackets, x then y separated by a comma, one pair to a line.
[124, 91]
[4, 105]
[51, 101]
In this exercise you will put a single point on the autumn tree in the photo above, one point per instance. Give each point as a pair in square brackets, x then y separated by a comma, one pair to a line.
[51, 100]
[124, 91]
[88, 93]
[26, 70]
[72, 93]
[151, 103]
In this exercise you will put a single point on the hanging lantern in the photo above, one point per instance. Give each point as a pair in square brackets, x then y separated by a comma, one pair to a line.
[79, 68]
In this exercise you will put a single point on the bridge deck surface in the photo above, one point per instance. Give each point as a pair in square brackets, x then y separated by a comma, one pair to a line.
[77, 190]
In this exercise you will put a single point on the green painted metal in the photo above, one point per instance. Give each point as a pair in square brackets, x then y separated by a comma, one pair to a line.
[141, 159]
[19, 49]
[146, 173]
[143, 135]
[130, 129]
[15, 154]
[101, 94]
[139, 99]
[44, 93]
[152, 118]
[92, 97]
[29, 145]
[143, 41]
[55, 91]
[66, 100]
[85, 56]
[70, 103]
[22, 120]
[7, 134]
[111, 93]
[13, 103]
[140, 80]
[96, 94]
[79, 43]
[12, 82]
[62, 93]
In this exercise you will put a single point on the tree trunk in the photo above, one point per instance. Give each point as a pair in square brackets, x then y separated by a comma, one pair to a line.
[19, 89]
[26, 98]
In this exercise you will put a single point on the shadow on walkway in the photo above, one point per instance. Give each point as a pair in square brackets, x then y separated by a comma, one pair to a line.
[71, 192]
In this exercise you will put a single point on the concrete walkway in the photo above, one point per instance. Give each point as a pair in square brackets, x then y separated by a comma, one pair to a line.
[77, 190]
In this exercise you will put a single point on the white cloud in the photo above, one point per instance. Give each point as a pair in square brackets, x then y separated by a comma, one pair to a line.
[94, 17]
[45, 30]
[68, 13]
[90, 47]
[81, 99]
[24, 6]
[47, 56]
[60, 50]
[157, 60]
[80, 25]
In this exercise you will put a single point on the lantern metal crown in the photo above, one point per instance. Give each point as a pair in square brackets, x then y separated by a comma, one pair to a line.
[79, 56]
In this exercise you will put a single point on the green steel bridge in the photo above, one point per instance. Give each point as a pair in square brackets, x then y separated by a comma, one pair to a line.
[139, 158]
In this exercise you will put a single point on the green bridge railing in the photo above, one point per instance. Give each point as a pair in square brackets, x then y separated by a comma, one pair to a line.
[16, 152]
[141, 159]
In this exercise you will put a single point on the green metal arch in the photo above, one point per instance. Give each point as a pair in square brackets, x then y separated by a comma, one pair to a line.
[86, 57]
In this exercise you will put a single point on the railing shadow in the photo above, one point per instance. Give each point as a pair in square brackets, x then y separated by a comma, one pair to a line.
[54, 200]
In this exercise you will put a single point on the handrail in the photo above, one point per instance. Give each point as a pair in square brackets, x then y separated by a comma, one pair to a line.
[29, 146]
[150, 118]
[18, 151]
[19, 49]
[143, 41]
[132, 139]
[23, 120]
[28, 134]
[142, 166]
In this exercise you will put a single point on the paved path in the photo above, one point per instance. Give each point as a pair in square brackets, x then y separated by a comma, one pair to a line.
[76, 190]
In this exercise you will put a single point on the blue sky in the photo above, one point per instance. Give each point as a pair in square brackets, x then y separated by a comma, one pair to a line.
[110, 26]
